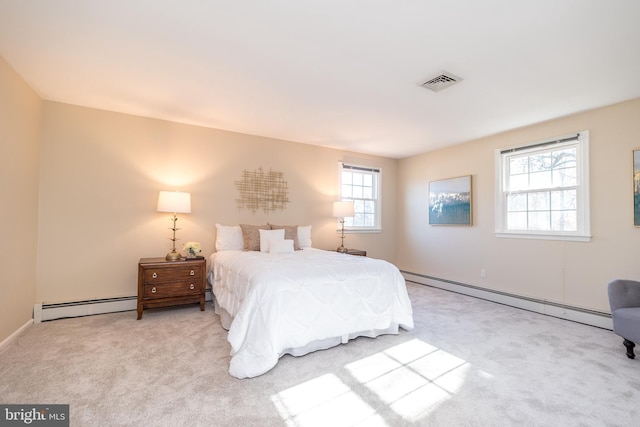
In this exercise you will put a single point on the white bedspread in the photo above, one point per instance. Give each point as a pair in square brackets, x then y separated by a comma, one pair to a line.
[303, 301]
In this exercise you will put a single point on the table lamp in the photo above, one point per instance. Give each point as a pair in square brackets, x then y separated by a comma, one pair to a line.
[342, 210]
[175, 202]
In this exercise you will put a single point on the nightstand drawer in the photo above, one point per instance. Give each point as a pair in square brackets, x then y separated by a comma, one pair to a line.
[162, 283]
[160, 275]
[162, 290]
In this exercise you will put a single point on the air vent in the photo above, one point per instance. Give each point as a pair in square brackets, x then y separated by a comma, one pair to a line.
[441, 81]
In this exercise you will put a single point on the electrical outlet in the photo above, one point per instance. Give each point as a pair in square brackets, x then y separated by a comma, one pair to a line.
[483, 273]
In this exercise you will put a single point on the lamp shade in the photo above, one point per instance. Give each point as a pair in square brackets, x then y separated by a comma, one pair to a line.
[342, 209]
[174, 201]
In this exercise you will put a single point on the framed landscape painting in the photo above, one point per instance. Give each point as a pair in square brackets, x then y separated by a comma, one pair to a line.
[450, 201]
[636, 188]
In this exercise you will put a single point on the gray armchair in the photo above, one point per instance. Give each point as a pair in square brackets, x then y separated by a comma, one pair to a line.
[624, 299]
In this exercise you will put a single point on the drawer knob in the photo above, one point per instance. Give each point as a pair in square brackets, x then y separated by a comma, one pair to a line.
[191, 273]
[153, 290]
[192, 286]
[154, 275]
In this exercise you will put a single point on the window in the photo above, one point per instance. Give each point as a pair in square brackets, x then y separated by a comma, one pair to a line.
[543, 189]
[362, 185]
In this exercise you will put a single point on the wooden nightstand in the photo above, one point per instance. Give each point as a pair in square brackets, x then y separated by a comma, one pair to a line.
[162, 283]
[357, 252]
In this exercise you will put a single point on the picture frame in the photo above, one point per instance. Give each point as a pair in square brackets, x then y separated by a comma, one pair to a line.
[450, 201]
[636, 188]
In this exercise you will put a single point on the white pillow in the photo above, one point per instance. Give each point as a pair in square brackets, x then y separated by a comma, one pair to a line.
[304, 236]
[228, 238]
[268, 236]
[281, 247]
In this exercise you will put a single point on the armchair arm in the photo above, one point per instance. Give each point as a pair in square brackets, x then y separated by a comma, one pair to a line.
[623, 293]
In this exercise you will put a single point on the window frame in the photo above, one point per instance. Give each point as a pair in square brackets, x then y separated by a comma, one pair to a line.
[583, 217]
[376, 172]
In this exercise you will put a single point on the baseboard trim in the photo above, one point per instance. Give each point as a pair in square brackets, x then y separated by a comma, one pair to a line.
[11, 338]
[576, 314]
[43, 312]
[86, 308]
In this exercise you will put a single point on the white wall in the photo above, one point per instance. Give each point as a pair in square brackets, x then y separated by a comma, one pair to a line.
[571, 273]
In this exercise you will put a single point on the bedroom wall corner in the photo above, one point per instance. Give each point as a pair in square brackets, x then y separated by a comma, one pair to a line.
[20, 125]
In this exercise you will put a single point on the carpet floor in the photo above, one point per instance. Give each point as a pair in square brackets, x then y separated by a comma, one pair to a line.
[468, 362]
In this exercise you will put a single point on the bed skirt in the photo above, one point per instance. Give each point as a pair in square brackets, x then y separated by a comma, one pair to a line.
[226, 319]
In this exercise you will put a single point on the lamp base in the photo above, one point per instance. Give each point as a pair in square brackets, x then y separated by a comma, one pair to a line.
[342, 249]
[173, 256]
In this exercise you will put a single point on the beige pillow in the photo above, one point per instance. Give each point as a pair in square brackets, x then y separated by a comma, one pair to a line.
[251, 236]
[290, 233]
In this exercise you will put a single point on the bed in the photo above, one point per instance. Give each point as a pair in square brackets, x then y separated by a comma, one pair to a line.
[286, 301]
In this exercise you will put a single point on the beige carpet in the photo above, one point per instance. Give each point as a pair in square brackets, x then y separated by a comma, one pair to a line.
[468, 362]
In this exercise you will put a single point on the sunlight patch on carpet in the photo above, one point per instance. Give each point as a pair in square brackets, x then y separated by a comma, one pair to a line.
[324, 401]
[411, 379]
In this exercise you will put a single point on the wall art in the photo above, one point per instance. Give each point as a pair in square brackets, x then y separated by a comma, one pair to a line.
[450, 201]
[260, 190]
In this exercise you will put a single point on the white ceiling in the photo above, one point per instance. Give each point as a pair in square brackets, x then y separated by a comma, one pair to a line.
[336, 73]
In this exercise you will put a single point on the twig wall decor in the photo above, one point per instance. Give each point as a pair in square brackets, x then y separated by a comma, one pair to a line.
[262, 190]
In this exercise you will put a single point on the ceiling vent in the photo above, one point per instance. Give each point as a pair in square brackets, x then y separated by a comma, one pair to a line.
[441, 81]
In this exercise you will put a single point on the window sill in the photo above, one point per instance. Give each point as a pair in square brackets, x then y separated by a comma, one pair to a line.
[361, 231]
[542, 236]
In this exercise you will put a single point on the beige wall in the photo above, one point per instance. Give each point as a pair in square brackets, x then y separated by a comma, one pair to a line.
[20, 111]
[100, 177]
[573, 273]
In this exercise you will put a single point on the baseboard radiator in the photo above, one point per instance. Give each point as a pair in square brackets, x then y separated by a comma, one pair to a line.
[562, 311]
[44, 312]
